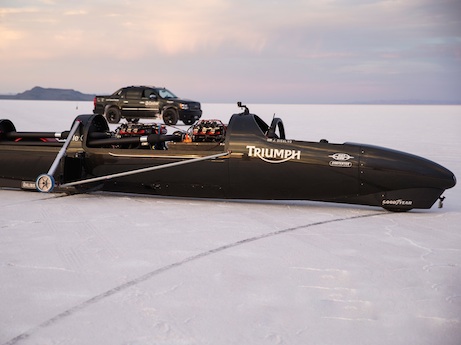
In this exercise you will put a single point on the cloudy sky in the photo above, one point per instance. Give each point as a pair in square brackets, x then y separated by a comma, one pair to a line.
[260, 51]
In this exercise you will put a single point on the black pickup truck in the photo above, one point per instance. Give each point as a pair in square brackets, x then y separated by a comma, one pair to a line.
[135, 102]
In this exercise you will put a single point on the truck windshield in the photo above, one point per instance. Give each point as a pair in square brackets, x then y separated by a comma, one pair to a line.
[164, 93]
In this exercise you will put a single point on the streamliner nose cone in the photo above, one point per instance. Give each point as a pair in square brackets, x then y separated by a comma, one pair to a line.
[449, 179]
[438, 176]
[396, 170]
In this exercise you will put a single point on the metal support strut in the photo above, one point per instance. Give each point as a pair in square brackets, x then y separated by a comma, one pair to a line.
[143, 170]
[45, 182]
[441, 199]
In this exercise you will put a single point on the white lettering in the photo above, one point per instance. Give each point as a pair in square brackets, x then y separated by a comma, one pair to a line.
[274, 140]
[296, 155]
[273, 155]
[278, 154]
[268, 153]
[398, 202]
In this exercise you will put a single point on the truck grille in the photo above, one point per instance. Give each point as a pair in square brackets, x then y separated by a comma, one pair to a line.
[194, 106]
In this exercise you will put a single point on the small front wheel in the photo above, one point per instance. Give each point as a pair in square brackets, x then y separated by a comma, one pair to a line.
[397, 209]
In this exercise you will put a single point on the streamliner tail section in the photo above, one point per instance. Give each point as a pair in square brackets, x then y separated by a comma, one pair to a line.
[245, 159]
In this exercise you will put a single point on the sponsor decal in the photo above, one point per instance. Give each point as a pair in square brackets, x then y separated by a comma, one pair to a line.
[341, 156]
[28, 185]
[340, 160]
[274, 140]
[273, 155]
[340, 164]
[397, 202]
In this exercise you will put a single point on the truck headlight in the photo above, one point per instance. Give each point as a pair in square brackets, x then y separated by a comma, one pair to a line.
[184, 106]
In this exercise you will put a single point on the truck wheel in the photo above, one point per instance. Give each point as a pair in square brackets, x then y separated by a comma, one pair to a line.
[188, 121]
[170, 117]
[113, 115]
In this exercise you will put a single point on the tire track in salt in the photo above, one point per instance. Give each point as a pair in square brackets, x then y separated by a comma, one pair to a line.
[158, 271]
[50, 196]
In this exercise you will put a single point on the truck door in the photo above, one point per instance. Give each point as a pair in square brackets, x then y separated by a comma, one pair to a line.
[131, 104]
[149, 103]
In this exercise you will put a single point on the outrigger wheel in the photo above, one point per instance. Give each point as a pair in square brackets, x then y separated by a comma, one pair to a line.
[45, 183]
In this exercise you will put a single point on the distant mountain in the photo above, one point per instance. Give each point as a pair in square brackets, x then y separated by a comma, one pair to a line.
[50, 94]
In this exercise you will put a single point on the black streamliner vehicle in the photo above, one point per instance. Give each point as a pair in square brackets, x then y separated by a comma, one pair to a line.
[247, 159]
